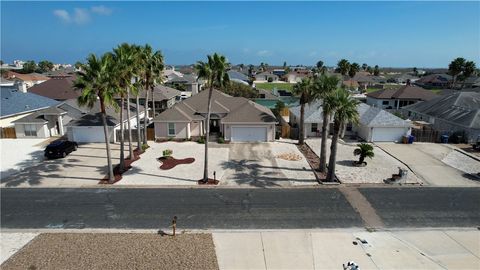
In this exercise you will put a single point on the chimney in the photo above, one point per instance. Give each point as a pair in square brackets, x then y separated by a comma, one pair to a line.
[21, 86]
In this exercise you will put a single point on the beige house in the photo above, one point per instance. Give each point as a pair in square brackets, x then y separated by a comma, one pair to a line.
[236, 119]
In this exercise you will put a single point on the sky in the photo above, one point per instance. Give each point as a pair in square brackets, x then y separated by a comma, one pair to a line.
[388, 34]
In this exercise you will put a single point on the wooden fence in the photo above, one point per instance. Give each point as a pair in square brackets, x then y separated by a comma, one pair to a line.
[426, 135]
[8, 132]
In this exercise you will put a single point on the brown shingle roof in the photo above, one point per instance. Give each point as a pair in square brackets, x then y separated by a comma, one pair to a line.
[56, 88]
[26, 77]
[404, 92]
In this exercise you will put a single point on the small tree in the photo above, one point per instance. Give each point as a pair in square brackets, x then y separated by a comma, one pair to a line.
[29, 67]
[364, 150]
[376, 70]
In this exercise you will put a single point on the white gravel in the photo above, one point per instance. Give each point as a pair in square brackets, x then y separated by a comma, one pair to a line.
[18, 154]
[462, 162]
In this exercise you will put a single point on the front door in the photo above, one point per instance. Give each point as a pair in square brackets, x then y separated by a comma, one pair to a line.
[214, 126]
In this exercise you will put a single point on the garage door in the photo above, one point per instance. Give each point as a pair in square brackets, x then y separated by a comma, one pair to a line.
[249, 134]
[387, 134]
[88, 134]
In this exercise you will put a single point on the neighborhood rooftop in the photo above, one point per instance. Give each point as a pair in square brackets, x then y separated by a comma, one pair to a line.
[16, 102]
[404, 92]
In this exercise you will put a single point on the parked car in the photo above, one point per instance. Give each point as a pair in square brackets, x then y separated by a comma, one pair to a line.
[59, 149]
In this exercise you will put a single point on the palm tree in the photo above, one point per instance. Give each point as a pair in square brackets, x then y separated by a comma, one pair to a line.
[95, 84]
[343, 66]
[469, 69]
[325, 86]
[305, 90]
[214, 72]
[455, 68]
[364, 150]
[151, 74]
[345, 108]
[125, 60]
[354, 68]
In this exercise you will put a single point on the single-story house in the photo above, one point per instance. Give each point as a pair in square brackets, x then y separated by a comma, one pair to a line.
[397, 98]
[44, 123]
[296, 76]
[27, 80]
[58, 88]
[16, 104]
[89, 127]
[456, 112]
[237, 119]
[375, 125]
[265, 77]
[435, 81]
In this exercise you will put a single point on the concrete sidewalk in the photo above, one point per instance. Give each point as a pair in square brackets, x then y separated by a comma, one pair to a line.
[329, 249]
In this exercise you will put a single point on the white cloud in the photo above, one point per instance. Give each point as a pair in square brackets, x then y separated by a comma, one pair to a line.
[101, 10]
[62, 14]
[264, 53]
[81, 16]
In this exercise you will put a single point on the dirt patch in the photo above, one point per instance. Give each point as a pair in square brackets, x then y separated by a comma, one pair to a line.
[314, 162]
[117, 173]
[170, 162]
[115, 251]
[289, 156]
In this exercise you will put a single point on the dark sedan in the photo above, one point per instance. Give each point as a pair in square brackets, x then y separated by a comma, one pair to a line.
[58, 149]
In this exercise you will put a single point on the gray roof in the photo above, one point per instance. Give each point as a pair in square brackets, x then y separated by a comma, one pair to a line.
[312, 113]
[230, 109]
[235, 75]
[369, 116]
[16, 102]
[461, 108]
[184, 79]
[39, 116]
[376, 117]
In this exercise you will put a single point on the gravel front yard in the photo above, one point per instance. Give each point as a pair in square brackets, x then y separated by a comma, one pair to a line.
[115, 251]
[381, 167]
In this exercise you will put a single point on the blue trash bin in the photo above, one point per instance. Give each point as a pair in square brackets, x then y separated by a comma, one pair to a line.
[411, 139]
[444, 138]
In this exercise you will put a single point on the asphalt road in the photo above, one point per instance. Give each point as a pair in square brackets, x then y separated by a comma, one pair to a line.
[215, 208]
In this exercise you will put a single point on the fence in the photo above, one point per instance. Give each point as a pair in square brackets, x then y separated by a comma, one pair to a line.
[150, 134]
[8, 132]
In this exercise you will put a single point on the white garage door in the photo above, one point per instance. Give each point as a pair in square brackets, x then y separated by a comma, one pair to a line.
[88, 134]
[249, 134]
[387, 134]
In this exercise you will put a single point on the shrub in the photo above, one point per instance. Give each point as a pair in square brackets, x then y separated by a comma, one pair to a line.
[167, 152]
[201, 140]
[145, 147]
[270, 79]
[221, 140]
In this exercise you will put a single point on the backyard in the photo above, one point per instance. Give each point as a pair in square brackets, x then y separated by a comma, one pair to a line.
[271, 86]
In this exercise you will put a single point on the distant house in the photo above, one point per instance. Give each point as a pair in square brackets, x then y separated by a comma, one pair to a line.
[279, 72]
[16, 105]
[404, 78]
[265, 77]
[27, 80]
[398, 98]
[435, 81]
[375, 125]
[187, 84]
[237, 119]
[456, 112]
[88, 127]
[239, 77]
[58, 88]
[296, 76]
[164, 97]
[471, 82]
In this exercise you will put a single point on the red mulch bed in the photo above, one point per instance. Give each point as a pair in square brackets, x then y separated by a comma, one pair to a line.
[209, 182]
[117, 173]
[170, 162]
[313, 160]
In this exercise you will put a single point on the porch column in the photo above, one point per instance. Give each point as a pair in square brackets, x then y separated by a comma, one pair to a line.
[60, 125]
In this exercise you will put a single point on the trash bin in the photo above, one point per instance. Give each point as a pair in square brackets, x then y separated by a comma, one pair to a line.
[444, 138]
[405, 139]
[411, 139]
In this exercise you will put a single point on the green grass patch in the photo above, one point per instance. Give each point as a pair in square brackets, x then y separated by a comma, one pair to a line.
[279, 86]
[436, 91]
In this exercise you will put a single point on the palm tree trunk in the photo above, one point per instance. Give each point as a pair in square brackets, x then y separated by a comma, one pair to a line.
[139, 134]
[145, 117]
[323, 146]
[207, 123]
[111, 177]
[153, 104]
[301, 135]
[122, 135]
[129, 126]
[333, 153]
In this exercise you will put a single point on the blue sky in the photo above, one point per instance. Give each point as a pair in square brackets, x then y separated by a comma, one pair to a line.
[396, 34]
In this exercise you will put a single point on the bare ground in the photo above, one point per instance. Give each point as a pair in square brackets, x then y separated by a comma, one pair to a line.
[115, 251]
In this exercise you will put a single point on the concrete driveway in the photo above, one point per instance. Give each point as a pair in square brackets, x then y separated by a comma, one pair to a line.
[84, 167]
[436, 164]
[258, 165]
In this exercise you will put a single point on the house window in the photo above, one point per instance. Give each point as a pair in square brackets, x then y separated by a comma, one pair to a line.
[171, 129]
[30, 130]
[314, 127]
[385, 102]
